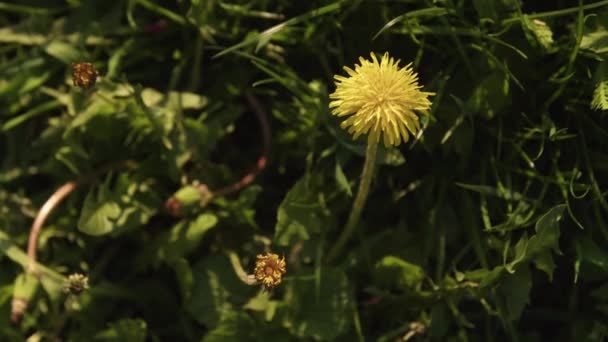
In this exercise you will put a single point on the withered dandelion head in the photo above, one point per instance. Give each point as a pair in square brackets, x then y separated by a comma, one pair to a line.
[84, 75]
[269, 270]
[381, 99]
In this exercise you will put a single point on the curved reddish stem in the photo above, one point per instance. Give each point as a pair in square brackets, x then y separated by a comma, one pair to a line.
[48, 206]
[53, 201]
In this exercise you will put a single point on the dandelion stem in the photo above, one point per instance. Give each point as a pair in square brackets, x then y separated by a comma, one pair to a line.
[238, 269]
[355, 213]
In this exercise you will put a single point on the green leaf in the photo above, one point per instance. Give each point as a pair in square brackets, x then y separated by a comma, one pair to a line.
[321, 308]
[51, 281]
[216, 290]
[128, 205]
[341, 179]
[596, 41]
[234, 327]
[99, 212]
[591, 253]
[64, 52]
[125, 330]
[600, 96]
[485, 277]
[395, 273]
[538, 33]
[26, 285]
[299, 215]
[515, 289]
[185, 278]
[491, 95]
[184, 237]
[546, 240]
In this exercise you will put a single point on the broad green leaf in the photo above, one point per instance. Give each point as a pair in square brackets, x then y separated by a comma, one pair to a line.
[233, 327]
[491, 95]
[216, 290]
[263, 303]
[127, 205]
[26, 285]
[238, 326]
[596, 41]
[319, 308]
[99, 212]
[299, 215]
[591, 253]
[544, 262]
[545, 241]
[538, 33]
[547, 231]
[125, 330]
[515, 288]
[64, 52]
[395, 273]
[184, 237]
[185, 278]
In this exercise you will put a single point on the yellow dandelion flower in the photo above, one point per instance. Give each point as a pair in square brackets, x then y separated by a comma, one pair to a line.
[269, 270]
[380, 99]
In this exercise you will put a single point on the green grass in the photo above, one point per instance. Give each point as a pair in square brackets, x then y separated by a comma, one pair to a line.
[492, 226]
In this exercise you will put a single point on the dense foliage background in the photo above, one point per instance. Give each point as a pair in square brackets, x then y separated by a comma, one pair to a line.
[489, 227]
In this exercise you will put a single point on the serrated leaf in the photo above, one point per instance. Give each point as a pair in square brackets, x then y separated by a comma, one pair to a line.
[596, 41]
[128, 205]
[319, 308]
[299, 215]
[600, 96]
[99, 212]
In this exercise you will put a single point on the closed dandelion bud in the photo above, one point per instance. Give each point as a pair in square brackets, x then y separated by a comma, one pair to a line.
[188, 200]
[84, 75]
[269, 270]
[25, 288]
[76, 284]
